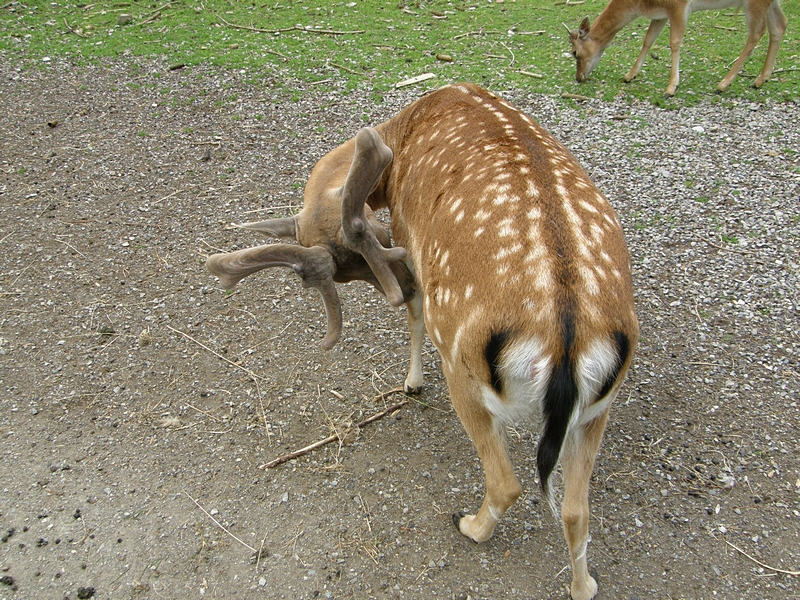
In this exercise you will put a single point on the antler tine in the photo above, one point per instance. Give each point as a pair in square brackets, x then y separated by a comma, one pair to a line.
[314, 265]
[283, 227]
[370, 158]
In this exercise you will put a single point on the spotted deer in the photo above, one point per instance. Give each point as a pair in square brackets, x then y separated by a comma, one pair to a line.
[506, 254]
[589, 42]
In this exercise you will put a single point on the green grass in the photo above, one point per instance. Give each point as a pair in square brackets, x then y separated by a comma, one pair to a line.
[373, 44]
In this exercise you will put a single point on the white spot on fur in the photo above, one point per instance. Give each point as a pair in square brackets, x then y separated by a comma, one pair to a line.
[504, 252]
[589, 280]
[505, 227]
[589, 207]
[543, 280]
[482, 215]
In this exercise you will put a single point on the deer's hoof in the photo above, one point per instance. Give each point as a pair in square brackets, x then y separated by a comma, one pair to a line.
[414, 391]
[457, 519]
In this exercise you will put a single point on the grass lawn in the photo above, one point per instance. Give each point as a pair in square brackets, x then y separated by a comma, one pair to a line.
[374, 45]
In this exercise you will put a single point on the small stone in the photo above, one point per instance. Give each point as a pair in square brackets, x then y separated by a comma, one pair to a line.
[84, 593]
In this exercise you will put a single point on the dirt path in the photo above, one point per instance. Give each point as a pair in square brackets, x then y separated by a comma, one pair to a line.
[138, 400]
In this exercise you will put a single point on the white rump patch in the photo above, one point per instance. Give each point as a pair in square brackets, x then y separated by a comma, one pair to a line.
[594, 367]
[525, 373]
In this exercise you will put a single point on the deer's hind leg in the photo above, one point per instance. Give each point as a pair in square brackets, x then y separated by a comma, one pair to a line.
[757, 23]
[488, 434]
[776, 23]
[577, 463]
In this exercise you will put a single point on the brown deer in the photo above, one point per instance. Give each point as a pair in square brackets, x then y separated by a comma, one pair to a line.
[513, 258]
[589, 42]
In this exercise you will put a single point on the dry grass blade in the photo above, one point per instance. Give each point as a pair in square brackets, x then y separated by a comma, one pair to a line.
[218, 524]
[760, 564]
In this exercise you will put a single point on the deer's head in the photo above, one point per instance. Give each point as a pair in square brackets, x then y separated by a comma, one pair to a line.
[339, 238]
[587, 51]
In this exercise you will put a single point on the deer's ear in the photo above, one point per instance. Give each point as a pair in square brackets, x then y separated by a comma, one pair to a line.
[583, 31]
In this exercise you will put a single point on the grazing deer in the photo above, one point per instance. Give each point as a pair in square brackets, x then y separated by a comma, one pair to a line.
[589, 42]
[515, 261]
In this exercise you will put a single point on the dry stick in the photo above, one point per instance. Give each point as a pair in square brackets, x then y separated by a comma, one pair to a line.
[246, 545]
[760, 564]
[287, 29]
[343, 68]
[574, 96]
[724, 249]
[72, 29]
[332, 438]
[478, 32]
[511, 52]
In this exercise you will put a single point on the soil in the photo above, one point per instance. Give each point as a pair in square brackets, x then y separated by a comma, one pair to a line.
[139, 400]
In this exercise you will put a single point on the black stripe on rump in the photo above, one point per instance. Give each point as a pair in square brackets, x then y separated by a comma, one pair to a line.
[623, 345]
[497, 342]
[559, 401]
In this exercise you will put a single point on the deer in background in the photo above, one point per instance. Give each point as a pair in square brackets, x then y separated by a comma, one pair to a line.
[589, 42]
[507, 255]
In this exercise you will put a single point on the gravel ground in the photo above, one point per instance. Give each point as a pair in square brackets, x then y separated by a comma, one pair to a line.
[139, 400]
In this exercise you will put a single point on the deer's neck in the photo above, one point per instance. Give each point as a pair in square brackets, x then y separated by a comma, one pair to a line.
[611, 21]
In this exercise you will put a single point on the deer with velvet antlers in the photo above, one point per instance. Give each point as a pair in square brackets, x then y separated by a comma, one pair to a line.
[590, 41]
[506, 254]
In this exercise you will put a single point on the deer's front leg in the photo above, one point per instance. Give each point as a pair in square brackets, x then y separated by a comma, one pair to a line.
[656, 26]
[677, 27]
[416, 328]
[487, 433]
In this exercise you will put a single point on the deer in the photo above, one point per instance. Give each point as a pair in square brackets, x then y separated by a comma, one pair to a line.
[590, 41]
[506, 254]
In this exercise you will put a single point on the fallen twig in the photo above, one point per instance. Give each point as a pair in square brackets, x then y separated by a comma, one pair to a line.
[287, 29]
[760, 564]
[575, 96]
[338, 436]
[478, 32]
[72, 29]
[413, 80]
[155, 14]
[343, 68]
[724, 249]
